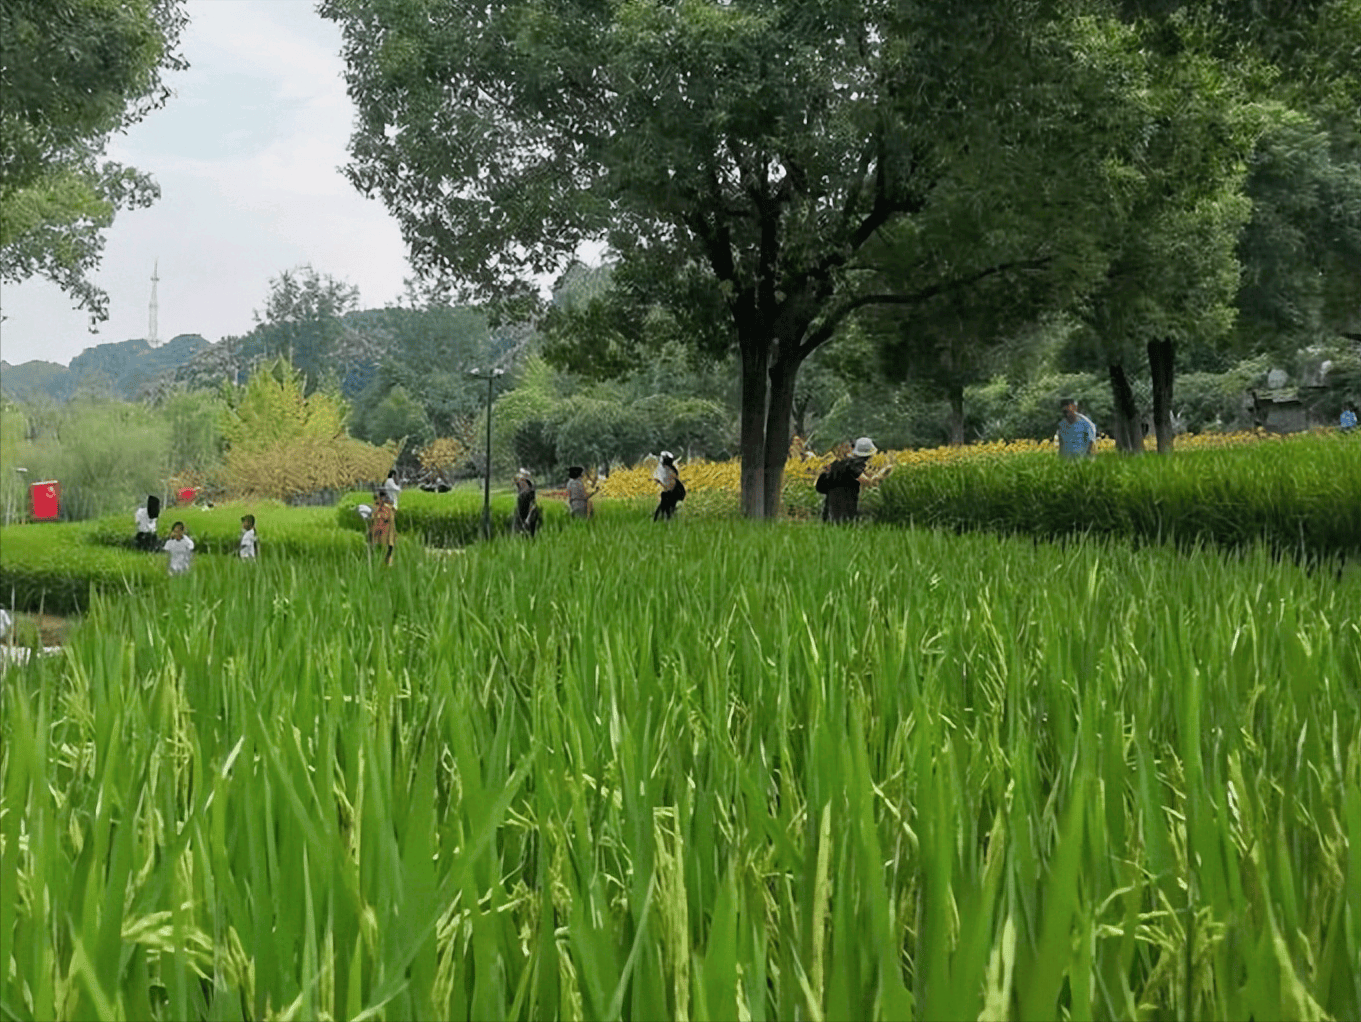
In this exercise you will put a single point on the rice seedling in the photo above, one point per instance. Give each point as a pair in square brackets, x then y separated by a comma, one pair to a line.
[709, 771]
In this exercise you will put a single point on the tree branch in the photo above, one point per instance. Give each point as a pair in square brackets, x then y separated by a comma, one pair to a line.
[835, 318]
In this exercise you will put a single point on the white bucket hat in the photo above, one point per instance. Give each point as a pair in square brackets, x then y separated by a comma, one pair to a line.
[667, 456]
[864, 447]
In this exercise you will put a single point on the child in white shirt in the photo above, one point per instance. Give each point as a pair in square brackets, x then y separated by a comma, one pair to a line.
[247, 547]
[180, 548]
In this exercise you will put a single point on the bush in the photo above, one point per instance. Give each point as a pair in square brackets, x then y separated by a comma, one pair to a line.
[54, 567]
[1301, 493]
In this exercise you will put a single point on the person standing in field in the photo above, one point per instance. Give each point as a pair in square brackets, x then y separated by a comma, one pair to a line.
[180, 548]
[383, 525]
[527, 514]
[391, 488]
[246, 548]
[673, 490]
[578, 500]
[840, 482]
[1077, 433]
[145, 519]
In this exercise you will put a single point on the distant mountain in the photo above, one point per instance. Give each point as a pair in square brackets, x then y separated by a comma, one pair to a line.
[35, 379]
[122, 369]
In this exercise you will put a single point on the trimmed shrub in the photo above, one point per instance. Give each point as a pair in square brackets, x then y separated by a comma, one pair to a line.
[54, 567]
[1301, 494]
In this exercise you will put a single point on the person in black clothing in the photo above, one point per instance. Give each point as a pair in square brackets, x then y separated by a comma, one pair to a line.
[145, 519]
[673, 490]
[839, 483]
[527, 513]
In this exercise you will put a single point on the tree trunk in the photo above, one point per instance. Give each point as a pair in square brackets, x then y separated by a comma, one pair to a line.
[956, 414]
[755, 358]
[1160, 356]
[779, 424]
[1128, 432]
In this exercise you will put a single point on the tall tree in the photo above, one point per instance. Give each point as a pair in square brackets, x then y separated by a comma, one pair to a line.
[751, 149]
[301, 320]
[73, 72]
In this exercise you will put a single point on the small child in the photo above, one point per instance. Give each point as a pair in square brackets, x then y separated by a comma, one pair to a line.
[247, 547]
[383, 525]
[180, 548]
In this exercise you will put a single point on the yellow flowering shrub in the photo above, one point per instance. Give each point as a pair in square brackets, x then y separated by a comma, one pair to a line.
[443, 454]
[292, 468]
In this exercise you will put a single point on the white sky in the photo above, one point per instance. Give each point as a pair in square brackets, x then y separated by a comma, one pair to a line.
[246, 153]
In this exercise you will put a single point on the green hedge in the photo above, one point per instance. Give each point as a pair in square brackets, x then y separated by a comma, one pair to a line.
[1302, 494]
[53, 567]
[450, 519]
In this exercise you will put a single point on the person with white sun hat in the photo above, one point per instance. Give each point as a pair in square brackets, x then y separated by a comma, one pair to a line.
[840, 482]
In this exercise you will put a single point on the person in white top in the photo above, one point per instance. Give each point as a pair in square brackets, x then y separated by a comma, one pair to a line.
[247, 547]
[391, 488]
[145, 519]
[180, 548]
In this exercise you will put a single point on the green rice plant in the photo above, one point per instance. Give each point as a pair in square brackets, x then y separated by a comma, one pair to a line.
[450, 519]
[1303, 495]
[707, 770]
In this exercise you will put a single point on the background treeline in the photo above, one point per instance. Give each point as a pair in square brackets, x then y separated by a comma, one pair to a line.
[397, 379]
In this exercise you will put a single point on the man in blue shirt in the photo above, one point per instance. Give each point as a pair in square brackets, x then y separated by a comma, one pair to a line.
[1077, 433]
[1348, 421]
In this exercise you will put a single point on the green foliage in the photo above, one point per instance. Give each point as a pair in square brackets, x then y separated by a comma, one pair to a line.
[705, 772]
[1301, 495]
[55, 567]
[73, 72]
[394, 417]
[273, 407]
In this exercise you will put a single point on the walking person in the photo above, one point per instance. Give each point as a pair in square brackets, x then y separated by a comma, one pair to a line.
[840, 482]
[578, 500]
[673, 490]
[180, 548]
[527, 514]
[1077, 433]
[383, 525]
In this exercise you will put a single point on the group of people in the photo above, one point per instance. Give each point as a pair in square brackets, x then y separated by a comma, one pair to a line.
[528, 517]
[179, 546]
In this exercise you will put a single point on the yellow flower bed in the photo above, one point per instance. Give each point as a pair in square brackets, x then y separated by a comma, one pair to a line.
[726, 476]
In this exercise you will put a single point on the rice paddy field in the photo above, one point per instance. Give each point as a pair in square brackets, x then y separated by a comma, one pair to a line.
[700, 770]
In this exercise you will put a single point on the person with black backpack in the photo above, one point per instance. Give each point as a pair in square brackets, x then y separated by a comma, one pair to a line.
[673, 490]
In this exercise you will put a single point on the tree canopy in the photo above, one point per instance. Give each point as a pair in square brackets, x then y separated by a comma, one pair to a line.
[72, 72]
[766, 171]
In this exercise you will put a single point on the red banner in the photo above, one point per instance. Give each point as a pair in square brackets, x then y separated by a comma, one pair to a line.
[46, 500]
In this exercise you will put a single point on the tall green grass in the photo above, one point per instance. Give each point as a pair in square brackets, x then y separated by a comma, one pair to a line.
[707, 770]
[1302, 496]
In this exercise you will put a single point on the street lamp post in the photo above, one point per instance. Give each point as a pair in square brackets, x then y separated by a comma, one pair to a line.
[492, 374]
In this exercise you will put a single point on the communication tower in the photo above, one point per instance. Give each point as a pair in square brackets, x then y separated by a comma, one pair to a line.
[151, 337]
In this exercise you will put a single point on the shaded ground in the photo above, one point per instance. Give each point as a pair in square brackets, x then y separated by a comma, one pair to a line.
[46, 629]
